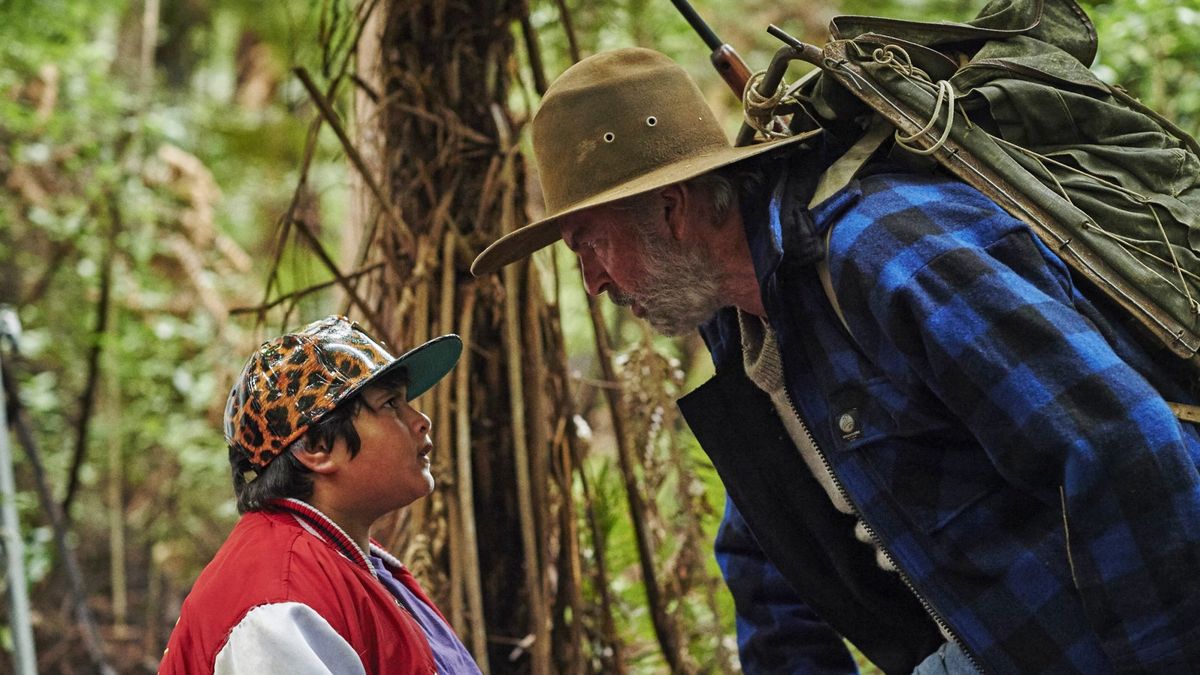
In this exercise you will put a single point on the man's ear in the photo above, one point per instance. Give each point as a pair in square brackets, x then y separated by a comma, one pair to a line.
[318, 458]
[676, 200]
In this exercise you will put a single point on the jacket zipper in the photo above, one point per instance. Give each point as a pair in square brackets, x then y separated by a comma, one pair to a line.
[837, 483]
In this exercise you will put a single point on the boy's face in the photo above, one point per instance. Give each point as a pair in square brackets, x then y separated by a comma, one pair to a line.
[392, 467]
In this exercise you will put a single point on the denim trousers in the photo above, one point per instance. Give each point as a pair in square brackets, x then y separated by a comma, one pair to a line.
[949, 659]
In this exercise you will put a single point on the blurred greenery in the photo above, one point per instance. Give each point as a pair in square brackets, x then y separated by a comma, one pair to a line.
[169, 182]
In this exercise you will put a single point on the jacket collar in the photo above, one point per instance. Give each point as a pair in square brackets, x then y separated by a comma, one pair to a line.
[780, 230]
[320, 525]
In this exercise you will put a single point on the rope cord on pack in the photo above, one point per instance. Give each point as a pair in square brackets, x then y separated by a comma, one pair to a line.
[1132, 244]
[1174, 260]
[759, 110]
[1132, 196]
[898, 59]
[1126, 192]
[862, 83]
[1053, 236]
[945, 92]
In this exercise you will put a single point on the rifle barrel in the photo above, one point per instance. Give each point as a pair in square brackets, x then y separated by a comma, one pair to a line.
[697, 22]
[725, 59]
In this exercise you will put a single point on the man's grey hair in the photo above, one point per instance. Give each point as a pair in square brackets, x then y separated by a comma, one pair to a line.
[722, 187]
[727, 184]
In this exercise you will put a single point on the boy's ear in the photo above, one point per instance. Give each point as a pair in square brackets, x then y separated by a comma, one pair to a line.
[318, 458]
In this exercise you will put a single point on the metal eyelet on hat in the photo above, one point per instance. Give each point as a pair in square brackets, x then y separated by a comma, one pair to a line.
[609, 137]
[651, 121]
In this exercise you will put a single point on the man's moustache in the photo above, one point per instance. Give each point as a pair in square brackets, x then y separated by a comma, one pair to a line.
[620, 297]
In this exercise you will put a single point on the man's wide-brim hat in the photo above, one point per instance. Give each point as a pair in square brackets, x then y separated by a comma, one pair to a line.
[616, 125]
[293, 380]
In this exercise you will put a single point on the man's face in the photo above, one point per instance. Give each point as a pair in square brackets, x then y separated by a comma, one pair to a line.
[630, 254]
[392, 467]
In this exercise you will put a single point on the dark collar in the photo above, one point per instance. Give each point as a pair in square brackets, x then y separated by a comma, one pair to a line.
[779, 228]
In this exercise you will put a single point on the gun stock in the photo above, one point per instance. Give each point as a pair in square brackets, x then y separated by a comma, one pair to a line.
[731, 68]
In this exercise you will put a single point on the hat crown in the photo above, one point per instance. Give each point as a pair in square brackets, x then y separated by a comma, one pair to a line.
[614, 117]
[616, 125]
[292, 380]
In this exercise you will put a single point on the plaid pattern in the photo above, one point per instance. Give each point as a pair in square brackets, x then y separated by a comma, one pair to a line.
[1003, 436]
[776, 633]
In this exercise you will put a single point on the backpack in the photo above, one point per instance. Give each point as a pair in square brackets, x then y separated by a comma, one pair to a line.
[1006, 103]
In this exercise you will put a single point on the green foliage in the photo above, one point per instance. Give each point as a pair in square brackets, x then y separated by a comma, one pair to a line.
[1152, 48]
[165, 186]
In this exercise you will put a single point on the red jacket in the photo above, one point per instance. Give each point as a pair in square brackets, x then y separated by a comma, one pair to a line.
[281, 564]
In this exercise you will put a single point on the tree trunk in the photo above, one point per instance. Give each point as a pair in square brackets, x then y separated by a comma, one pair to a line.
[455, 177]
[501, 543]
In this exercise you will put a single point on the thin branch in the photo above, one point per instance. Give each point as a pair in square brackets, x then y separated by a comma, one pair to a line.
[540, 653]
[402, 230]
[309, 152]
[563, 449]
[289, 216]
[87, 399]
[608, 626]
[297, 295]
[569, 29]
[442, 442]
[540, 418]
[340, 278]
[532, 49]
[466, 489]
[662, 628]
[58, 252]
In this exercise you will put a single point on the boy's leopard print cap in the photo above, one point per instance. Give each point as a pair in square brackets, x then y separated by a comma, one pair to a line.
[291, 381]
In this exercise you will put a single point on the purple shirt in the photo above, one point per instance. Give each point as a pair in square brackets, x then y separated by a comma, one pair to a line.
[448, 651]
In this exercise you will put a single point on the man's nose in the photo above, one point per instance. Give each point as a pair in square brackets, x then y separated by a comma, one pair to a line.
[594, 276]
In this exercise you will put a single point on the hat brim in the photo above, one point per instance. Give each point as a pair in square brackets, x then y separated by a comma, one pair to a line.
[426, 364]
[541, 233]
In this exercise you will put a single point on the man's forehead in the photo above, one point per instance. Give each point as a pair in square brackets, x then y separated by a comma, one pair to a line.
[574, 225]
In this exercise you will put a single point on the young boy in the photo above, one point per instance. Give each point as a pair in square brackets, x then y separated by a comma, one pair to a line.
[322, 443]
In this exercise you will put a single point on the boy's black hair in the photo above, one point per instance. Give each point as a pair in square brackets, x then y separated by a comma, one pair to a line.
[286, 476]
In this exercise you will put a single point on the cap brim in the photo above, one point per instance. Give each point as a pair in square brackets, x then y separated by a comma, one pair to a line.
[541, 233]
[426, 364]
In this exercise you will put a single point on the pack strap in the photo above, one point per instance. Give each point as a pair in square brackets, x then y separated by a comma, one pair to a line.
[837, 176]
[845, 168]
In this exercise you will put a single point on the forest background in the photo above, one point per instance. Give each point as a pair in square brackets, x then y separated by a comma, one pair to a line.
[183, 179]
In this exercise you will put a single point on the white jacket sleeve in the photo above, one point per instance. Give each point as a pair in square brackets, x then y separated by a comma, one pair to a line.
[287, 638]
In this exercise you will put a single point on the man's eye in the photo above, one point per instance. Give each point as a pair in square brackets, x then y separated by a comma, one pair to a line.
[393, 403]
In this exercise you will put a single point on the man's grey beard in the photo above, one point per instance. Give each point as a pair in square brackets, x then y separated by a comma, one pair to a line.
[681, 289]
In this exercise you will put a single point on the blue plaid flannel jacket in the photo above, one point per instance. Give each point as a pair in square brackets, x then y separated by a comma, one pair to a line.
[999, 428]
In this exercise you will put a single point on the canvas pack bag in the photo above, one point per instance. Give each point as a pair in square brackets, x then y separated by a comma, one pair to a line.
[1005, 103]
